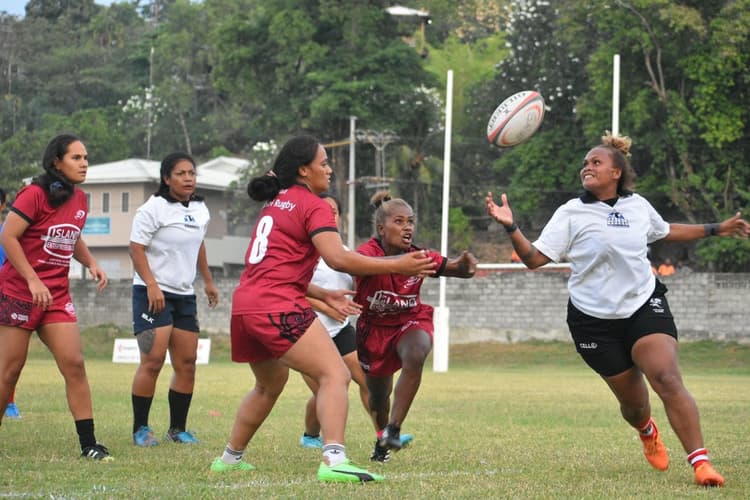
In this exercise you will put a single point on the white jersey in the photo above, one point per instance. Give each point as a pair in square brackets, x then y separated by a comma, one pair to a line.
[330, 279]
[607, 249]
[172, 234]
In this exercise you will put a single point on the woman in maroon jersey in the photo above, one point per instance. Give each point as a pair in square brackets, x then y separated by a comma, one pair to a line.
[394, 330]
[40, 236]
[273, 326]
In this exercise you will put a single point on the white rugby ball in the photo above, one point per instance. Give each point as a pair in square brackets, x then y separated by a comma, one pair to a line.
[516, 119]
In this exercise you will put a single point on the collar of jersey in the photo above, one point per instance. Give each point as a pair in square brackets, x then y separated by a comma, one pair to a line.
[588, 197]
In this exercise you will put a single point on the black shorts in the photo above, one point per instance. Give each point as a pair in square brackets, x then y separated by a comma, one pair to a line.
[605, 344]
[180, 311]
[346, 340]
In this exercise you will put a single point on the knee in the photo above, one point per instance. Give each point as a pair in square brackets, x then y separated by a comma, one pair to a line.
[73, 367]
[185, 367]
[271, 390]
[414, 356]
[667, 382]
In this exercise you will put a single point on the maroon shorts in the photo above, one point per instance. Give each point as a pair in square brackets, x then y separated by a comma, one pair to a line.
[376, 344]
[260, 337]
[22, 314]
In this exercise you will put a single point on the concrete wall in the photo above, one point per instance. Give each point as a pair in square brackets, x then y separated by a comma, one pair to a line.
[497, 305]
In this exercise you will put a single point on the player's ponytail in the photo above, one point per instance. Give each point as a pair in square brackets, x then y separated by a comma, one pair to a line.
[298, 151]
[619, 146]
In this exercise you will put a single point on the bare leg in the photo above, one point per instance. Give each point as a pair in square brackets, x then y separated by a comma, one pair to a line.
[14, 346]
[413, 350]
[64, 342]
[656, 355]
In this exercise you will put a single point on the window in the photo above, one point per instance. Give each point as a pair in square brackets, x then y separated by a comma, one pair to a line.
[105, 203]
[88, 202]
[125, 202]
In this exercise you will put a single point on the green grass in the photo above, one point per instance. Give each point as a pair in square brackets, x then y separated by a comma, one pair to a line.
[506, 421]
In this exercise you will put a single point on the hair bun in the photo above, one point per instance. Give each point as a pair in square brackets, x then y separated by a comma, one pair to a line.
[621, 143]
[379, 198]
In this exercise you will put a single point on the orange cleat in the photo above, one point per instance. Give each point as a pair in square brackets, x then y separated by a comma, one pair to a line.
[655, 451]
[705, 475]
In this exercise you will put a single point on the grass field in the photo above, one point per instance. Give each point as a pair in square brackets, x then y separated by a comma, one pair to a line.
[506, 421]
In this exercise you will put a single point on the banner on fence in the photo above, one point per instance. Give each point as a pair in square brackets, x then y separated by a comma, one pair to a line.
[126, 351]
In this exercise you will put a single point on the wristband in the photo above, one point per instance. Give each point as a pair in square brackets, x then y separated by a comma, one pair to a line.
[510, 229]
[711, 229]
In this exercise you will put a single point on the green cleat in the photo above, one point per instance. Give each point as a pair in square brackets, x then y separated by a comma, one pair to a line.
[218, 465]
[346, 472]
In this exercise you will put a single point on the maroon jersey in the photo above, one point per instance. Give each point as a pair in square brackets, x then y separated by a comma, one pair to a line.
[391, 299]
[281, 257]
[48, 242]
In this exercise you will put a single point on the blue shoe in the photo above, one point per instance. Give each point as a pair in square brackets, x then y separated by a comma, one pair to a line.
[406, 439]
[144, 436]
[310, 441]
[11, 411]
[182, 437]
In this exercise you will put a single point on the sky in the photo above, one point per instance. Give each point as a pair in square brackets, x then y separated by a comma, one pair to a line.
[18, 7]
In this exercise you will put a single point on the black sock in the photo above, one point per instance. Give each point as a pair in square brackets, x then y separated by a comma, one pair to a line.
[85, 430]
[179, 405]
[141, 409]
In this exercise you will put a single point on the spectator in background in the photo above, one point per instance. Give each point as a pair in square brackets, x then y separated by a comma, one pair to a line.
[666, 268]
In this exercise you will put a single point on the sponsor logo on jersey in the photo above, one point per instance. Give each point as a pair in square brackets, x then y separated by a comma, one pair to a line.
[412, 281]
[281, 205]
[385, 301]
[61, 239]
[80, 215]
[616, 219]
[588, 345]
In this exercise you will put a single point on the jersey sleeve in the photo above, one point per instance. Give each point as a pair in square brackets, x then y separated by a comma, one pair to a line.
[28, 202]
[319, 217]
[145, 224]
[556, 235]
[440, 260]
[659, 228]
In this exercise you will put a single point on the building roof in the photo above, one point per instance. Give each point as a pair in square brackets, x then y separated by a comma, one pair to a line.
[216, 174]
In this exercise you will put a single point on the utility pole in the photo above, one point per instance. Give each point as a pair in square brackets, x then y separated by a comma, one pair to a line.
[379, 139]
[350, 236]
[149, 103]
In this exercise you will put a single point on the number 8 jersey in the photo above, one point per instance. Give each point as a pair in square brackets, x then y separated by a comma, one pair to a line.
[281, 258]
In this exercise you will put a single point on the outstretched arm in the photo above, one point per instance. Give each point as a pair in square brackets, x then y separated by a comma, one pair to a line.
[733, 226]
[463, 266]
[528, 253]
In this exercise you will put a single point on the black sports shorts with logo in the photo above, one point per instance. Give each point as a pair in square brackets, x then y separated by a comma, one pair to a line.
[605, 344]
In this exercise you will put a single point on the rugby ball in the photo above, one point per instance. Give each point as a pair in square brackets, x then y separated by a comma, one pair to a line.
[516, 119]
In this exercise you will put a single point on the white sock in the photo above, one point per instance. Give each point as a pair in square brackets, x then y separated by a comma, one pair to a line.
[334, 454]
[231, 457]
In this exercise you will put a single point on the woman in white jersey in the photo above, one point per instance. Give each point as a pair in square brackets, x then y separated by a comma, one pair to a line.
[166, 245]
[618, 315]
